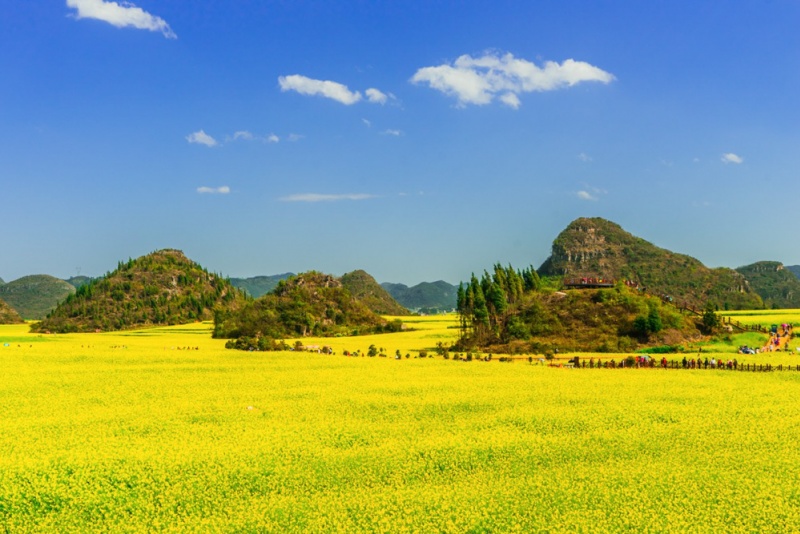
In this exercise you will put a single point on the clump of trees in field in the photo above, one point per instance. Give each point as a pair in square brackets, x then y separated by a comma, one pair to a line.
[517, 311]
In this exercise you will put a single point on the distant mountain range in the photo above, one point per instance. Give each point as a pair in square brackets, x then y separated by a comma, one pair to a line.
[424, 297]
[586, 248]
[259, 285]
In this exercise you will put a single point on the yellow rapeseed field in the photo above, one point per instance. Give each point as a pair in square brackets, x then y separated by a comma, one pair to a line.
[164, 430]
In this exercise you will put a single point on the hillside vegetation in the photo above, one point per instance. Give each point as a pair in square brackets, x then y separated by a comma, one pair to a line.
[161, 288]
[425, 296]
[597, 248]
[34, 296]
[308, 304]
[9, 315]
[259, 285]
[777, 286]
[78, 281]
[509, 311]
[363, 287]
[794, 269]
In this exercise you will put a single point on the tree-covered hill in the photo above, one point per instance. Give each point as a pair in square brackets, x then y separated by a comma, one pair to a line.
[363, 287]
[794, 269]
[9, 315]
[311, 303]
[508, 311]
[597, 248]
[161, 288]
[259, 285]
[34, 296]
[429, 296]
[776, 285]
[78, 281]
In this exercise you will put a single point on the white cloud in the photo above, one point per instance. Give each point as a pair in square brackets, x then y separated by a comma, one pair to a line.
[479, 80]
[243, 135]
[316, 197]
[295, 137]
[367, 123]
[511, 100]
[378, 97]
[583, 156]
[585, 195]
[309, 86]
[224, 190]
[395, 133]
[730, 157]
[121, 15]
[272, 138]
[201, 138]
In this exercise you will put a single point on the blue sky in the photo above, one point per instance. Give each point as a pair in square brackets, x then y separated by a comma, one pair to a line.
[416, 140]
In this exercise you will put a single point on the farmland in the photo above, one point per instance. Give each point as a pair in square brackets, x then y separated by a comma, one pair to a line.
[165, 430]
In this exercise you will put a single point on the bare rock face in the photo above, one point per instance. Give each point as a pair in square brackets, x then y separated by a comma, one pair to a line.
[595, 247]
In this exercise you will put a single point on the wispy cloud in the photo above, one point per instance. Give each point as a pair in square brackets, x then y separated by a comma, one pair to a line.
[201, 138]
[272, 138]
[325, 88]
[121, 15]
[367, 123]
[480, 80]
[395, 133]
[224, 190]
[330, 89]
[317, 197]
[378, 97]
[584, 157]
[243, 135]
[590, 193]
[295, 137]
[730, 157]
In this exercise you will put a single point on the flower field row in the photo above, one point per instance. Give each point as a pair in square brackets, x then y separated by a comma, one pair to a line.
[165, 430]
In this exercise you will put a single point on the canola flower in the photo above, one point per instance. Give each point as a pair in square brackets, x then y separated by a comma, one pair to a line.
[164, 430]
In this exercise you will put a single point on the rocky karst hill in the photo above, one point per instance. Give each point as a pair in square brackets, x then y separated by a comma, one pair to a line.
[9, 315]
[310, 303]
[777, 286]
[161, 288]
[597, 248]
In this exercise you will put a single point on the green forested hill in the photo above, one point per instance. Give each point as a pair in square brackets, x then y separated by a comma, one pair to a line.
[433, 296]
[78, 281]
[775, 284]
[9, 315]
[160, 288]
[509, 312]
[307, 304]
[598, 248]
[259, 285]
[363, 287]
[794, 269]
[35, 295]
